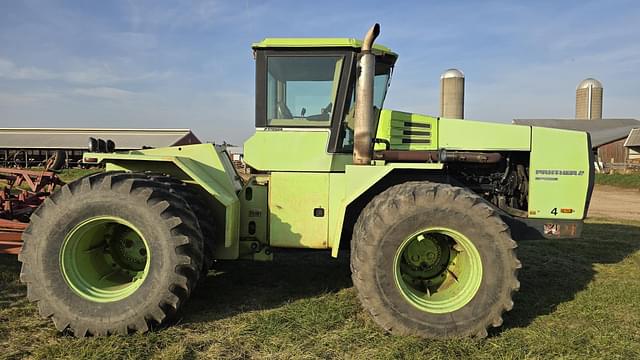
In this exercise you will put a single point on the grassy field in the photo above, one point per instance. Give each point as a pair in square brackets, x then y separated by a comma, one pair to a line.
[619, 180]
[579, 299]
[68, 175]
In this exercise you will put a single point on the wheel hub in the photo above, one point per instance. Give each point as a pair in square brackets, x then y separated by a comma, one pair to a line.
[126, 248]
[426, 256]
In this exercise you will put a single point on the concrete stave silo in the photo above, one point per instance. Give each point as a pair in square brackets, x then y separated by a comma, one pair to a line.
[589, 99]
[452, 94]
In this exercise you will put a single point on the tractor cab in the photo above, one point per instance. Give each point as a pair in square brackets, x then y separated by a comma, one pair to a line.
[305, 92]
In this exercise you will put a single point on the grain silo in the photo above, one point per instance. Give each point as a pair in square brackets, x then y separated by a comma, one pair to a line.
[589, 99]
[452, 94]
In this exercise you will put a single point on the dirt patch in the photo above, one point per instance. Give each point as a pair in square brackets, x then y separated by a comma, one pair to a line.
[615, 202]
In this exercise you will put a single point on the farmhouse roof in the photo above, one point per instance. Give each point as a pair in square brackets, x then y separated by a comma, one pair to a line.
[634, 138]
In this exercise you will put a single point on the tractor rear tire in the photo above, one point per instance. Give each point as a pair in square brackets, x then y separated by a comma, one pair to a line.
[433, 260]
[112, 253]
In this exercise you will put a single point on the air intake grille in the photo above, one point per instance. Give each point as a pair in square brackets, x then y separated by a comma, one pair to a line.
[414, 134]
[406, 131]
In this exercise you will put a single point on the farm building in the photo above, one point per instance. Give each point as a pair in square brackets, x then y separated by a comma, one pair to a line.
[633, 144]
[608, 136]
[26, 147]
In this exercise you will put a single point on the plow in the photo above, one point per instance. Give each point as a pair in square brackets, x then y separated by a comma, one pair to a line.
[24, 190]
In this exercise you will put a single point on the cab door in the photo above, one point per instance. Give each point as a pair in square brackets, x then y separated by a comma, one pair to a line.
[298, 205]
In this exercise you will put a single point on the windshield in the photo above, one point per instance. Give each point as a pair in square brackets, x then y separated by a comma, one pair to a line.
[380, 86]
[301, 90]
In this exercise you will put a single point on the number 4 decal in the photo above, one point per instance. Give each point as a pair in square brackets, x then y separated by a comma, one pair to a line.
[554, 211]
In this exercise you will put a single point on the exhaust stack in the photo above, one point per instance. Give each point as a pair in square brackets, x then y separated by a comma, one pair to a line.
[363, 132]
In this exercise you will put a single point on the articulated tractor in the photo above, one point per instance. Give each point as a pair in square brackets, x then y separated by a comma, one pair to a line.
[428, 209]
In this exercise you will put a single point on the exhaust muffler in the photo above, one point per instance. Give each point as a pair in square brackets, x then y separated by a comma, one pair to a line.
[364, 125]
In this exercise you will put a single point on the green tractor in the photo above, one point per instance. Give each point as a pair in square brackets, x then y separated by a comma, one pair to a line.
[427, 208]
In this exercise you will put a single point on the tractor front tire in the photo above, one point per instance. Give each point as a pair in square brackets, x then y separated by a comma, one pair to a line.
[112, 253]
[433, 260]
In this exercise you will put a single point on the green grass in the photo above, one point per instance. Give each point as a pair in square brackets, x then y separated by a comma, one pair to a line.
[579, 299]
[68, 175]
[620, 180]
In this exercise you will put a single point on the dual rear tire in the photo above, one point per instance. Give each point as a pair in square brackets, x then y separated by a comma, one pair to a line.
[111, 253]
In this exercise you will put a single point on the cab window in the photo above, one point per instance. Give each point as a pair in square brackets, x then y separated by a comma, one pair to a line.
[301, 90]
[380, 86]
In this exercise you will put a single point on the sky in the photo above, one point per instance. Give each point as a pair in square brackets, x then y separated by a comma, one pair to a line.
[188, 64]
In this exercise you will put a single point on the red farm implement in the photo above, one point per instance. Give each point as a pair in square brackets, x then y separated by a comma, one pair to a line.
[23, 191]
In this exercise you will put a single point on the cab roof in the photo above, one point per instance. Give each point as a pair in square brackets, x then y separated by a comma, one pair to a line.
[318, 43]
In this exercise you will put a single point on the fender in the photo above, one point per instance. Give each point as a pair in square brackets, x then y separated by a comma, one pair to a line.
[206, 165]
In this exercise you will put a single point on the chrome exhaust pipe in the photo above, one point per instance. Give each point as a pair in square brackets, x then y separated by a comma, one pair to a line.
[363, 132]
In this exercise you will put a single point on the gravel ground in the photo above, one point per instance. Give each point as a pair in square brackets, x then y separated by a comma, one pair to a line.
[615, 202]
